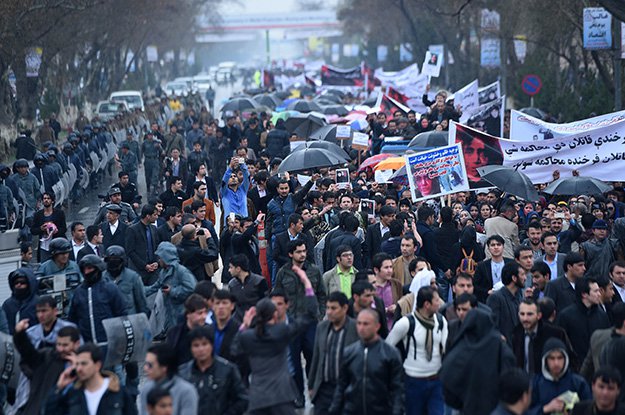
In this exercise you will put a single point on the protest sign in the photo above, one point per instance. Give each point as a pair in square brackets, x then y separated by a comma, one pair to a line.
[468, 100]
[383, 176]
[524, 127]
[431, 65]
[597, 28]
[343, 132]
[393, 78]
[342, 178]
[596, 153]
[489, 93]
[367, 206]
[436, 172]
[488, 117]
[490, 52]
[360, 141]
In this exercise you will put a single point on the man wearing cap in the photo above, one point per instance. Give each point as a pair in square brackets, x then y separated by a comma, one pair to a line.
[113, 230]
[130, 194]
[127, 214]
[600, 251]
[129, 162]
[151, 153]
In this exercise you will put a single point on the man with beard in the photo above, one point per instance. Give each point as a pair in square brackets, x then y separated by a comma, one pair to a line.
[48, 223]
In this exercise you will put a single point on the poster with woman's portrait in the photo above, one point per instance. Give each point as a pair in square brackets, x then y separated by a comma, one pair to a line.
[478, 150]
[436, 172]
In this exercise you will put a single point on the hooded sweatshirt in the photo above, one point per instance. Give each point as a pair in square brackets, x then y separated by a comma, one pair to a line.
[21, 305]
[179, 279]
[546, 386]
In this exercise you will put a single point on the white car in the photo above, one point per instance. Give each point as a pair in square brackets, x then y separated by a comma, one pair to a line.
[176, 88]
[188, 80]
[202, 82]
[107, 110]
[132, 98]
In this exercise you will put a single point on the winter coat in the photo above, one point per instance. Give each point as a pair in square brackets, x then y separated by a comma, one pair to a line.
[17, 309]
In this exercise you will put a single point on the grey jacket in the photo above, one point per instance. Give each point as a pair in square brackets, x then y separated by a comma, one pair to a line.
[315, 377]
[597, 342]
[132, 289]
[30, 186]
[183, 395]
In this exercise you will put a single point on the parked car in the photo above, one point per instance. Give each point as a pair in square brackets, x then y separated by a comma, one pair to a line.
[132, 98]
[106, 110]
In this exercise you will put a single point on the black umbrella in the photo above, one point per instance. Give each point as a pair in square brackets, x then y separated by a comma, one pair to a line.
[268, 100]
[334, 99]
[577, 186]
[339, 110]
[282, 94]
[239, 104]
[302, 105]
[325, 145]
[509, 180]
[304, 124]
[430, 139]
[328, 133]
[308, 159]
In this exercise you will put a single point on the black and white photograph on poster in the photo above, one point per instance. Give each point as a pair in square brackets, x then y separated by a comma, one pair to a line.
[489, 93]
[342, 178]
[367, 206]
[431, 65]
[489, 117]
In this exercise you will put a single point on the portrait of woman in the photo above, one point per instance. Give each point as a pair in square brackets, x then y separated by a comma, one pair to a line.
[426, 186]
[479, 151]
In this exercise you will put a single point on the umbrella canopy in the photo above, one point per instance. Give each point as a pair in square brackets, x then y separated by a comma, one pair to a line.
[308, 159]
[284, 115]
[268, 100]
[325, 145]
[391, 163]
[304, 124]
[303, 105]
[239, 104]
[373, 161]
[327, 133]
[335, 109]
[509, 180]
[577, 186]
[429, 139]
[282, 94]
[334, 99]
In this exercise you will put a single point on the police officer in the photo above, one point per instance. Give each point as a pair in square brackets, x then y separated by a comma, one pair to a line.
[132, 143]
[151, 151]
[45, 174]
[129, 162]
[127, 215]
[28, 183]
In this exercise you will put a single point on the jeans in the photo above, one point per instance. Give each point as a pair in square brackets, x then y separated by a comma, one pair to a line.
[424, 396]
[303, 343]
[271, 264]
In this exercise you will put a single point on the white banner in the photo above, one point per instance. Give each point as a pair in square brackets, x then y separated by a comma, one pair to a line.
[598, 153]
[527, 128]
[490, 52]
[399, 77]
[597, 28]
[467, 99]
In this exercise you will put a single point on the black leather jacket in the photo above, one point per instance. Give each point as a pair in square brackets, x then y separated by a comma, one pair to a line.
[371, 381]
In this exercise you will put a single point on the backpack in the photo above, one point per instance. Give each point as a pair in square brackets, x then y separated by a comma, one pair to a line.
[467, 264]
[412, 321]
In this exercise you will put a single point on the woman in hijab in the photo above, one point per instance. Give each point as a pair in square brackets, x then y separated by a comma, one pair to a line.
[466, 247]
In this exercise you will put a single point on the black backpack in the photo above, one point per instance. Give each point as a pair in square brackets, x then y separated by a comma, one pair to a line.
[412, 321]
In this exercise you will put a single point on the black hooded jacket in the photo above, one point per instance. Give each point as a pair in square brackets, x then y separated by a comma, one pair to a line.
[21, 306]
[478, 353]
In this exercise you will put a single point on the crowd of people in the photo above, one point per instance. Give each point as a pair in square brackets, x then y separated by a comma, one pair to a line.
[486, 305]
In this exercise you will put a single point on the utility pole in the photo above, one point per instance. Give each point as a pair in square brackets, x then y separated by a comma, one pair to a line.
[267, 49]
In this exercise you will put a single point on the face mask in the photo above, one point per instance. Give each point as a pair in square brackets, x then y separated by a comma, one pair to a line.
[92, 277]
[115, 266]
[21, 293]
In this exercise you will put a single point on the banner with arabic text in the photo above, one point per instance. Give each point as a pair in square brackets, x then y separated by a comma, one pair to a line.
[342, 77]
[598, 153]
[524, 127]
[436, 172]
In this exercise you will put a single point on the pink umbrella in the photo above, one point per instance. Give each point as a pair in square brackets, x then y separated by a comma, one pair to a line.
[373, 161]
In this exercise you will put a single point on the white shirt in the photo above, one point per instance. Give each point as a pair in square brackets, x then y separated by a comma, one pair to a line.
[95, 248]
[383, 229]
[496, 268]
[420, 367]
[113, 227]
[553, 266]
[620, 291]
[93, 398]
[77, 247]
